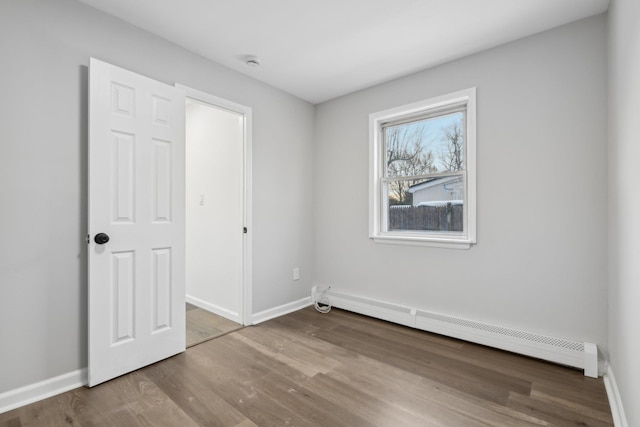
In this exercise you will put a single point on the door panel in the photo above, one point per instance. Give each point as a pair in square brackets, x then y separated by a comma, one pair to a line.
[136, 196]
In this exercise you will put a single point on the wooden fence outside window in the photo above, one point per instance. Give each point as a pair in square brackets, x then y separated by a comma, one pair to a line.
[447, 217]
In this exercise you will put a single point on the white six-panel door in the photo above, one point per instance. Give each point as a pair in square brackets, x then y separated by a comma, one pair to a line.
[136, 197]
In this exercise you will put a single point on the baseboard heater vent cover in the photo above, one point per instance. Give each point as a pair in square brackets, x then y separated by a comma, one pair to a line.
[578, 354]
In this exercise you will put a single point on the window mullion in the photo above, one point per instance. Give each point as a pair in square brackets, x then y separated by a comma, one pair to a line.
[427, 176]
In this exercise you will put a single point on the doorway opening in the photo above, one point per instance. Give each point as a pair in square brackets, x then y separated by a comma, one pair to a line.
[203, 325]
[216, 215]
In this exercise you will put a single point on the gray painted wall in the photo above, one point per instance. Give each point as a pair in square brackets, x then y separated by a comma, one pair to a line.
[45, 47]
[624, 175]
[541, 260]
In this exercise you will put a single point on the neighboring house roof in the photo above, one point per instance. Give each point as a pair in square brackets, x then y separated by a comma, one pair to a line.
[432, 182]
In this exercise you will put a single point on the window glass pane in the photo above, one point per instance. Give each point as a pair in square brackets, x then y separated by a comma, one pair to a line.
[425, 146]
[433, 204]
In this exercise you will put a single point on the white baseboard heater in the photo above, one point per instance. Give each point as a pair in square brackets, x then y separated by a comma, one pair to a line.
[582, 355]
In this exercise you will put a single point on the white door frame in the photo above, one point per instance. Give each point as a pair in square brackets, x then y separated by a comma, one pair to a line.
[245, 292]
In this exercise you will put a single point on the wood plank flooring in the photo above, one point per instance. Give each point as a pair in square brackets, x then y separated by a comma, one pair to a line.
[335, 369]
[202, 325]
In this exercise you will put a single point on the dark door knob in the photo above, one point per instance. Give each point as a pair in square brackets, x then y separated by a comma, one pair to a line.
[101, 238]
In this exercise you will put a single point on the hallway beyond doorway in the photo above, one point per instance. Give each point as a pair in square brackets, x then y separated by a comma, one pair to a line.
[202, 325]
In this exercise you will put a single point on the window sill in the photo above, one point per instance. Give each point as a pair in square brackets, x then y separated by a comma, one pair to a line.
[423, 241]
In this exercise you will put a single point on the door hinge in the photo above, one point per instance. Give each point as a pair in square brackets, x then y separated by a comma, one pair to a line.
[244, 230]
[88, 239]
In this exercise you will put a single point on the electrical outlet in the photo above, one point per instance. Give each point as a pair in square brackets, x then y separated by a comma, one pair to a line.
[296, 273]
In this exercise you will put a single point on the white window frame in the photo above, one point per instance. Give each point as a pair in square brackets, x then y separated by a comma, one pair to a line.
[377, 206]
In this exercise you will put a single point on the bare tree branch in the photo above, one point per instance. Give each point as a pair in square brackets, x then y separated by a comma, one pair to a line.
[452, 159]
[406, 156]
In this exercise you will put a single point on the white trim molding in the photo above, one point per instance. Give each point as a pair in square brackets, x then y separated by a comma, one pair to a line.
[579, 354]
[615, 402]
[280, 310]
[227, 314]
[13, 399]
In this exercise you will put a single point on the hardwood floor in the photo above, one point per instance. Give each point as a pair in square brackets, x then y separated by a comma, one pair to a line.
[335, 369]
[202, 325]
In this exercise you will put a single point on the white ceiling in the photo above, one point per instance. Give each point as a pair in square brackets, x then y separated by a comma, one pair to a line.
[322, 49]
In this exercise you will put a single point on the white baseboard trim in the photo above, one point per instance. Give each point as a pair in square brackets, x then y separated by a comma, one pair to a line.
[583, 355]
[617, 411]
[13, 399]
[227, 314]
[281, 310]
